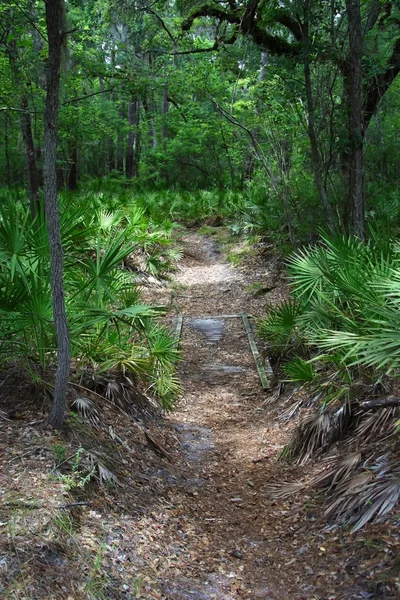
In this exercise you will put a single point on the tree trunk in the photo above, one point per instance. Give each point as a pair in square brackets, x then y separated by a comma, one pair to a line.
[228, 157]
[72, 179]
[149, 110]
[353, 84]
[6, 150]
[30, 157]
[315, 153]
[55, 22]
[165, 106]
[132, 119]
[120, 141]
[26, 129]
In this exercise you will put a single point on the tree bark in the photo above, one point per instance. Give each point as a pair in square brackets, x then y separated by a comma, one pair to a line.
[120, 142]
[6, 150]
[56, 31]
[384, 402]
[353, 84]
[132, 119]
[165, 107]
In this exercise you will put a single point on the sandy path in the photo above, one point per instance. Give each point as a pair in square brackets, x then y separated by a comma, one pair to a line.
[228, 540]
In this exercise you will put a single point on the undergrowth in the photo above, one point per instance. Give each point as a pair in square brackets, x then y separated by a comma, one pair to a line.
[336, 339]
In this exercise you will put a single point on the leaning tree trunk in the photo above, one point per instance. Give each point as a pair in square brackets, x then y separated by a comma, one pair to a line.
[353, 84]
[56, 32]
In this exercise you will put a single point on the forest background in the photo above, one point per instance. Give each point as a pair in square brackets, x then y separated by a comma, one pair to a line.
[282, 101]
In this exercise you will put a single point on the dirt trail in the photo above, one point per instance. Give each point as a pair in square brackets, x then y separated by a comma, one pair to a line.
[233, 541]
[191, 517]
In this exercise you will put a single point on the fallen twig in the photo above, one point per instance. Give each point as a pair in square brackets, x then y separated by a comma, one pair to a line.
[72, 504]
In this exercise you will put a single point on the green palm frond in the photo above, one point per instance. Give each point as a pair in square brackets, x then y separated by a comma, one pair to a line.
[299, 370]
[167, 388]
[108, 221]
[103, 275]
[307, 270]
[280, 326]
[162, 345]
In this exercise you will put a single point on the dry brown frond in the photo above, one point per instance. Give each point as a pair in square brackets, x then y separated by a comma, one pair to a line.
[368, 495]
[284, 490]
[86, 408]
[377, 424]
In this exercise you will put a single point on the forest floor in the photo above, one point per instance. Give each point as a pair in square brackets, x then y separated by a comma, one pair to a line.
[191, 517]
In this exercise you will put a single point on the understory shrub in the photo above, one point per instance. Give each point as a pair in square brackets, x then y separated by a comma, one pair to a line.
[109, 255]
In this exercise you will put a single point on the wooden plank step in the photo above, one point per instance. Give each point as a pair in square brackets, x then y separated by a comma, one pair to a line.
[256, 355]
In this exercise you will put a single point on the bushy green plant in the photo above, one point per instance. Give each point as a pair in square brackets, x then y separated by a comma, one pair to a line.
[109, 326]
[281, 326]
[345, 307]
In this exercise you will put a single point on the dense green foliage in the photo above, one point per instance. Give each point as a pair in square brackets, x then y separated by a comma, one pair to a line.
[338, 339]
[178, 96]
[111, 330]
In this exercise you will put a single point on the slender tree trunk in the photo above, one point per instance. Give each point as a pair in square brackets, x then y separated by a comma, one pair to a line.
[120, 141]
[72, 179]
[149, 110]
[26, 129]
[165, 106]
[30, 157]
[6, 150]
[132, 118]
[228, 157]
[263, 66]
[164, 134]
[55, 21]
[356, 133]
[315, 153]
[136, 158]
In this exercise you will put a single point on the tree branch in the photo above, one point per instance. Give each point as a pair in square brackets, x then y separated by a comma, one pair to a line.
[178, 108]
[163, 25]
[78, 98]
[190, 164]
[377, 87]
[248, 24]
[384, 402]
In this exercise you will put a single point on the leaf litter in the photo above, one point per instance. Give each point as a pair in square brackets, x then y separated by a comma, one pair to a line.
[184, 512]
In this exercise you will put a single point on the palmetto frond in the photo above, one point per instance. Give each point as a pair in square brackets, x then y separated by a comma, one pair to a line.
[107, 221]
[366, 495]
[86, 408]
[318, 432]
[359, 491]
[375, 425]
[299, 370]
[312, 435]
[285, 490]
[95, 465]
[280, 326]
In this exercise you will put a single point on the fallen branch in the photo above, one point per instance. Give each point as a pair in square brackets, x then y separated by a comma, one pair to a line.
[384, 402]
[72, 504]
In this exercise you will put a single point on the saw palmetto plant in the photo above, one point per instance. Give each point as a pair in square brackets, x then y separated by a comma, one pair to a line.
[281, 327]
[110, 328]
[349, 294]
